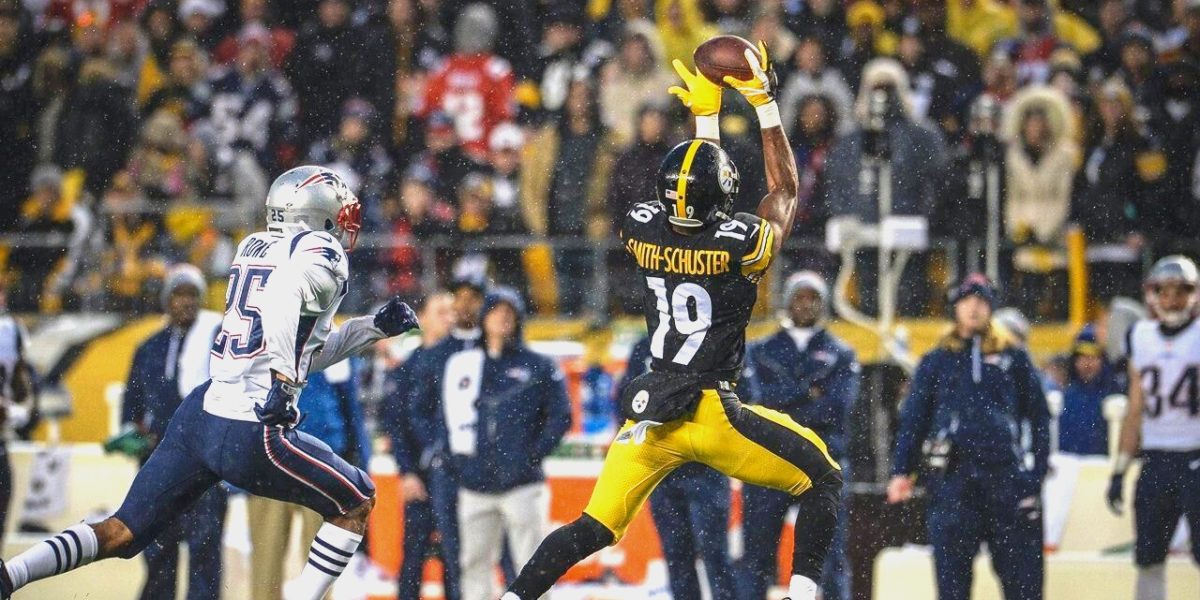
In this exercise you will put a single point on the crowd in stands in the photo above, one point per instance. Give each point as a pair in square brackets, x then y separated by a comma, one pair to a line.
[142, 133]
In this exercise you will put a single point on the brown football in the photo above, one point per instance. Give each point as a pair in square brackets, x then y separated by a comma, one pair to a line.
[724, 55]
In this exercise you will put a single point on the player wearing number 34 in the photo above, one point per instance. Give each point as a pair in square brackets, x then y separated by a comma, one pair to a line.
[285, 286]
[700, 265]
[1163, 421]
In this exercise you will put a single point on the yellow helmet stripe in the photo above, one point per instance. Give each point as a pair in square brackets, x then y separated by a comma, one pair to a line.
[681, 184]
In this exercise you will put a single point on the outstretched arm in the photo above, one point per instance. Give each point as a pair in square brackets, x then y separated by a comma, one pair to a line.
[779, 206]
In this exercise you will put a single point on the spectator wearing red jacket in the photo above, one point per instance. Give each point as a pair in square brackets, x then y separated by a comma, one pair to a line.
[473, 86]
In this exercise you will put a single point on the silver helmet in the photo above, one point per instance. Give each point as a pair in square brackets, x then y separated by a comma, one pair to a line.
[1172, 269]
[318, 199]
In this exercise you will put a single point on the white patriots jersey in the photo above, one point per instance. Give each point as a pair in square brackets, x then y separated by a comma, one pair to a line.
[12, 351]
[284, 290]
[1169, 372]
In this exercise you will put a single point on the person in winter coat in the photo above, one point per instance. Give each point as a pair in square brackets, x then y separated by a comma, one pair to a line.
[636, 77]
[682, 27]
[428, 450]
[505, 408]
[812, 136]
[917, 155]
[1040, 163]
[1091, 378]
[813, 76]
[328, 64]
[812, 376]
[165, 369]
[355, 153]
[632, 178]
[97, 126]
[1115, 191]
[566, 193]
[968, 402]
[473, 86]
[420, 519]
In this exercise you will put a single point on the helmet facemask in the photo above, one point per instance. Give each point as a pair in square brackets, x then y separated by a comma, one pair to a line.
[349, 222]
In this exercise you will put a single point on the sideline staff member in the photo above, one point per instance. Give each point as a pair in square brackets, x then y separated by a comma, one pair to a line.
[970, 398]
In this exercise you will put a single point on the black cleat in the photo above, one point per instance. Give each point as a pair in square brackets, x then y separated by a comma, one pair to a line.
[6, 586]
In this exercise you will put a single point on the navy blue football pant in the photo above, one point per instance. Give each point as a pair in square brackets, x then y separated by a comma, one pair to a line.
[199, 450]
[763, 513]
[972, 505]
[1167, 488]
[421, 519]
[200, 527]
[691, 513]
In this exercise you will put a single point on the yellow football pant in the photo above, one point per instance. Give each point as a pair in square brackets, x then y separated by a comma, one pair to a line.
[757, 445]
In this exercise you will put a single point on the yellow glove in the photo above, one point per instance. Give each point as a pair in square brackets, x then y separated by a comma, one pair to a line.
[701, 95]
[759, 91]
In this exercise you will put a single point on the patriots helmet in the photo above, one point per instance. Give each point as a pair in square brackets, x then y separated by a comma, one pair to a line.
[317, 199]
[1178, 270]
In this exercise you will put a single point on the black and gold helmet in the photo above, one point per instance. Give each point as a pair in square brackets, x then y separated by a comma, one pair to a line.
[697, 183]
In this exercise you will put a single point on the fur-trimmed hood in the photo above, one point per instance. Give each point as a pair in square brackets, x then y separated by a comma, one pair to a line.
[1047, 99]
[881, 71]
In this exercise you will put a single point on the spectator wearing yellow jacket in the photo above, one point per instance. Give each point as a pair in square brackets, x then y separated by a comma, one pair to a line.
[682, 27]
[980, 24]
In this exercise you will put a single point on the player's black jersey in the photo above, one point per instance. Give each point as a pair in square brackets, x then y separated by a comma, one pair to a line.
[699, 289]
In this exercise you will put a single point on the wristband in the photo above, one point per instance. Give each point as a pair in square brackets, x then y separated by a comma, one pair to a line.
[768, 115]
[1122, 464]
[708, 127]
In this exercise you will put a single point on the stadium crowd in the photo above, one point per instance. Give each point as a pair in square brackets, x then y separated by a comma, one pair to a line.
[141, 133]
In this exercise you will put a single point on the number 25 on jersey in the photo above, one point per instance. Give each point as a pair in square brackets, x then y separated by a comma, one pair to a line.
[241, 330]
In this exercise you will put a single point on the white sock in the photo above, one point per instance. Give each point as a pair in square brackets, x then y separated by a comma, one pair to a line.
[510, 596]
[802, 588]
[1151, 583]
[69, 550]
[327, 558]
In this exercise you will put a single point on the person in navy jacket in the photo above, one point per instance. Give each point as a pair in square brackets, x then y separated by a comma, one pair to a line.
[969, 401]
[808, 373]
[424, 444]
[420, 519]
[166, 367]
[691, 513]
[1090, 379]
[505, 409]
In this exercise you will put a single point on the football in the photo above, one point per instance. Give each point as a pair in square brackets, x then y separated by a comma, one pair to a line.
[724, 55]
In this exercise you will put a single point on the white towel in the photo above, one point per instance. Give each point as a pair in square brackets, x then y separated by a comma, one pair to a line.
[460, 391]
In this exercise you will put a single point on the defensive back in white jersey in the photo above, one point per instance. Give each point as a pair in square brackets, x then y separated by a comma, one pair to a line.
[1169, 371]
[284, 290]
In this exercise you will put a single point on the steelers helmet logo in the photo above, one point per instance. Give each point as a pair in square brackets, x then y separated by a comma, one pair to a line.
[640, 401]
[725, 178]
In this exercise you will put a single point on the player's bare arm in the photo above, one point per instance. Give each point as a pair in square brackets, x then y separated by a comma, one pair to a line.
[1131, 423]
[779, 205]
[1127, 443]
